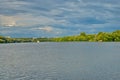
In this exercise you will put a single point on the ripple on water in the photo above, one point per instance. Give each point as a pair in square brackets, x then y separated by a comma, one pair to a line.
[60, 61]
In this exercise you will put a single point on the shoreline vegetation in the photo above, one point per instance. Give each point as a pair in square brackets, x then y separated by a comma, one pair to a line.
[82, 37]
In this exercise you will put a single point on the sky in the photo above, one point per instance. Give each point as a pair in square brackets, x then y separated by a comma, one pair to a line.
[55, 18]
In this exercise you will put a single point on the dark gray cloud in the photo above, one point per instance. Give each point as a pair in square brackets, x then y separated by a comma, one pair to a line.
[64, 17]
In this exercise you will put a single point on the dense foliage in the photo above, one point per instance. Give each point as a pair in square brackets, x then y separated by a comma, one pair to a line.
[99, 37]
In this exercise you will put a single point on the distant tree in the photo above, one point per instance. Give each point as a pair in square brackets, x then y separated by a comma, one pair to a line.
[82, 34]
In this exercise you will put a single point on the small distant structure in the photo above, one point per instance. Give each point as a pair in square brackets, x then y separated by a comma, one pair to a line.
[38, 41]
[100, 41]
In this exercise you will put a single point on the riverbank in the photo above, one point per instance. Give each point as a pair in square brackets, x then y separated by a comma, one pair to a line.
[82, 37]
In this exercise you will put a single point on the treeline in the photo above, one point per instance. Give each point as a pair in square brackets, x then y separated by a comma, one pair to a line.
[23, 40]
[99, 37]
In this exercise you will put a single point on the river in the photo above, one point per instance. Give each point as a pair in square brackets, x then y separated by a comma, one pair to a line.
[60, 61]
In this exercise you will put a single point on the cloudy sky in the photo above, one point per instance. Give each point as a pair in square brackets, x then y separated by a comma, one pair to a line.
[51, 18]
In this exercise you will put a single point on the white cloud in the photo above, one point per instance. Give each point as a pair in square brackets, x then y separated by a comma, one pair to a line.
[48, 29]
[45, 28]
[7, 21]
[25, 20]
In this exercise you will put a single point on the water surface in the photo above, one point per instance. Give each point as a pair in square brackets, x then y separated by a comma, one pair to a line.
[60, 61]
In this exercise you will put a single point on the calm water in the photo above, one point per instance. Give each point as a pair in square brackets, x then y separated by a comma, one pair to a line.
[60, 61]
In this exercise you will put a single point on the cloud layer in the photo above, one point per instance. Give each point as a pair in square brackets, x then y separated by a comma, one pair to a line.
[48, 18]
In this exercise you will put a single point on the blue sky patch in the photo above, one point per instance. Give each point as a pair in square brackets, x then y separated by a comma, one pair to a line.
[52, 18]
